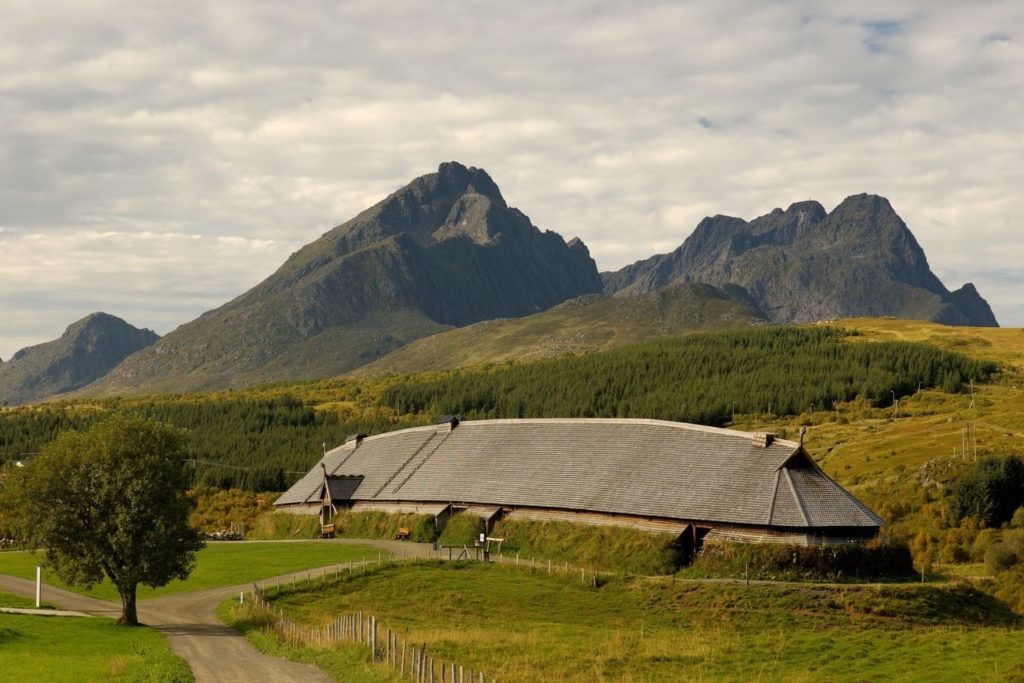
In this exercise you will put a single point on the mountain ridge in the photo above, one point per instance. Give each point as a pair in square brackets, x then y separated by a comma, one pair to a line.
[804, 264]
[443, 251]
[87, 350]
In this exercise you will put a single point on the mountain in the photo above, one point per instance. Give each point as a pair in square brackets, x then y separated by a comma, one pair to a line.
[583, 325]
[87, 350]
[444, 251]
[803, 264]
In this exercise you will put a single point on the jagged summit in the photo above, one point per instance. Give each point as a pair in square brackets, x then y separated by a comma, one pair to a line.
[87, 350]
[443, 251]
[804, 264]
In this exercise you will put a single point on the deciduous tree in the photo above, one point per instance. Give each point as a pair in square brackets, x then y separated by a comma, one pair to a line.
[110, 501]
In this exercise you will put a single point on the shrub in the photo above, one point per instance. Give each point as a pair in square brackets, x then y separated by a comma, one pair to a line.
[998, 558]
[1017, 521]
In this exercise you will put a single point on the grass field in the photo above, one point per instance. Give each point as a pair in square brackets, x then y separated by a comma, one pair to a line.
[219, 564]
[76, 650]
[349, 663]
[520, 625]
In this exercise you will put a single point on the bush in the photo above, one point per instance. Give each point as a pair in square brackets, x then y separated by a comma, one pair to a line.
[1017, 521]
[998, 558]
[833, 562]
[991, 491]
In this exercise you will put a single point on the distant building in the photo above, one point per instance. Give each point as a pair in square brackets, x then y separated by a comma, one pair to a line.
[687, 479]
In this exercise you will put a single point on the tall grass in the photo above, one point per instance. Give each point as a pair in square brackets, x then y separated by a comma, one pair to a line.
[525, 625]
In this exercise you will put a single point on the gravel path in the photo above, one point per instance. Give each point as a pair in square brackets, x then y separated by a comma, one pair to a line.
[189, 621]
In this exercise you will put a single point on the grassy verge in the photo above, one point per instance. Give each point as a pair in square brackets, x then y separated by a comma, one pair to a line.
[523, 625]
[219, 564]
[350, 663]
[56, 649]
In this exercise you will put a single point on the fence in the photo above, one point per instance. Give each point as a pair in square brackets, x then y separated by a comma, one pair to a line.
[409, 660]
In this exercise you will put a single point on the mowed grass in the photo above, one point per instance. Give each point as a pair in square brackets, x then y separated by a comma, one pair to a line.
[219, 564]
[522, 625]
[75, 649]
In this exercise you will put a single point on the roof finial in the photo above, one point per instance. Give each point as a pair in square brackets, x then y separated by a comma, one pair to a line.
[803, 430]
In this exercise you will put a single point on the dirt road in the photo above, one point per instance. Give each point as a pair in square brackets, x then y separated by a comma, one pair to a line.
[215, 652]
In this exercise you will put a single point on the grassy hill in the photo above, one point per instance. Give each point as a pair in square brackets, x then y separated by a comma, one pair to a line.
[524, 625]
[583, 325]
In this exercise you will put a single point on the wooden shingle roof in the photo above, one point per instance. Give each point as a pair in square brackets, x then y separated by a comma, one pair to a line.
[646, 468]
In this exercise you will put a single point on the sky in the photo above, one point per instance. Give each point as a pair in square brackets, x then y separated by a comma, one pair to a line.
[157, 162]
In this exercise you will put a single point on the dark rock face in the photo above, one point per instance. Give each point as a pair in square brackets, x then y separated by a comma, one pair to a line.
[444, 251]
[87, 350]
[803, 264]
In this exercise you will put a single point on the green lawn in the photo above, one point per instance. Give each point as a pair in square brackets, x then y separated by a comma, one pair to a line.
[219, 564]
[76, 649]
[518, 625]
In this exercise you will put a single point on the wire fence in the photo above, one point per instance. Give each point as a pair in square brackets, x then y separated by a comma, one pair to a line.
[411, 660]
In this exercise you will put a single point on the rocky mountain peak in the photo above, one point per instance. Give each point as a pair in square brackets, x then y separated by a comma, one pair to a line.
[804, 264]
[88, 349]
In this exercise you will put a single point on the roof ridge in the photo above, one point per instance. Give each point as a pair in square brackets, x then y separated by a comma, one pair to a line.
[797, 498]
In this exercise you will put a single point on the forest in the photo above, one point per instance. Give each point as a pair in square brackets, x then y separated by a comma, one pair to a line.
[701, 378]
[263, 439]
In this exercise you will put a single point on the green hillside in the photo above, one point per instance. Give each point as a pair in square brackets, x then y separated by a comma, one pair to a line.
[583, 325]
[517, 624]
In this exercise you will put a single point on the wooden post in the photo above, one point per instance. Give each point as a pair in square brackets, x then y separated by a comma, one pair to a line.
[451, 678]
[39, 586]
[430, 668]
[460, 675]
[373, 639]
[401, 670]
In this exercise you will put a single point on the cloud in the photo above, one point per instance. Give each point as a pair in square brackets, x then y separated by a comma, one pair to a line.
[622, 124]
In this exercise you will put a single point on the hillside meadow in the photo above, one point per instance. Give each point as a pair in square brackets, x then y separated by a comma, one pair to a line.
[960, 395]
[518, 624]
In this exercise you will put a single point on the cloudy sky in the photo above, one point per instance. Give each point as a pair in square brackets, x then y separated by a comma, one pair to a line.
[155, 163]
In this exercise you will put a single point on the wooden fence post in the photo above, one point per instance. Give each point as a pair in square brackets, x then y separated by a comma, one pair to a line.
[373, 639]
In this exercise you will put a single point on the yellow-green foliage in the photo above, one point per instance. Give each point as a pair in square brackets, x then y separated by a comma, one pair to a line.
[218, 509]
[280, 525]
[595, 547]
[376, 524]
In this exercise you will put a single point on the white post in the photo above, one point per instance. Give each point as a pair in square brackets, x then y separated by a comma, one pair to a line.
[39, 587]
[241, 598]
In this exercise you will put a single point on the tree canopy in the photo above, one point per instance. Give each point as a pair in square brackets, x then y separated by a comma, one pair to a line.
[109, 501]
[990, 491]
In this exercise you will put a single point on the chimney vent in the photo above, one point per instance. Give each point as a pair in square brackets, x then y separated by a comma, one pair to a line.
[763, 439]
[448, 423]
[355, 438]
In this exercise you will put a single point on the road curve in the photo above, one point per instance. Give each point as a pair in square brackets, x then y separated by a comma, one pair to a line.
[189, 621]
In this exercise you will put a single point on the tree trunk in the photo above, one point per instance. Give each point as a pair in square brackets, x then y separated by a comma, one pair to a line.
[129, 615]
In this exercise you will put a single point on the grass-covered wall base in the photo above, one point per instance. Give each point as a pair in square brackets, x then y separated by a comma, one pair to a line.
[609, 548]
[877, 559]
[377, 524]
[274, 526]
